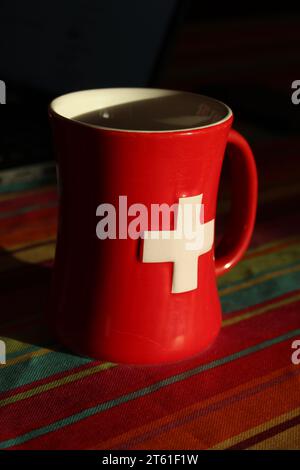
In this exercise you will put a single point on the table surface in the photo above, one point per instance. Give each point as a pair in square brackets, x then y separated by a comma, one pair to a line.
[243, 393]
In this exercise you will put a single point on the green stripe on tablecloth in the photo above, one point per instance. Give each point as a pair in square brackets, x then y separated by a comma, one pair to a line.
[259, 293]
[86, 413]
[249, 268]
[37, 368]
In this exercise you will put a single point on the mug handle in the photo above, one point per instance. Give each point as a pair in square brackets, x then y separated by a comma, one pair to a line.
[243, 207]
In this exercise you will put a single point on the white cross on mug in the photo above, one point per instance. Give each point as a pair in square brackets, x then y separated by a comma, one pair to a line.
[178, 247]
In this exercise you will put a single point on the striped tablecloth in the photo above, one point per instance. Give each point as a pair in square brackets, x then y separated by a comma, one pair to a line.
[242, 393]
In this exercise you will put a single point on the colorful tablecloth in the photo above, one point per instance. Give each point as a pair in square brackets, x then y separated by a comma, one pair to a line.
[242, 393]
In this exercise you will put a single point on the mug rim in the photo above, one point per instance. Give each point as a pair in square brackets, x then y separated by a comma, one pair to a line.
[58, 103]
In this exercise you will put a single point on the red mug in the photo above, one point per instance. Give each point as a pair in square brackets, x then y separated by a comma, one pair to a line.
[137, 299]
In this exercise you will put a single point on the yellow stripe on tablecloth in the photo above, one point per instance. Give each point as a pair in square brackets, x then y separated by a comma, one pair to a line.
[56, 383]
[33, 255]
[261, 310]
[115, 441]
[285, 440]
[256, 430]
[258, 280]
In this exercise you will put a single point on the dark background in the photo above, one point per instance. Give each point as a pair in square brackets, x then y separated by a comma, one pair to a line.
[247, 56]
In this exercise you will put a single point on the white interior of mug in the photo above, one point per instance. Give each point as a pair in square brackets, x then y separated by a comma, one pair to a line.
[141, 109]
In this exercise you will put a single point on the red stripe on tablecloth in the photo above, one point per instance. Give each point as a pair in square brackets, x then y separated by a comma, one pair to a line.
[262, 436]
[31, 199]
[106, 425]
[221, 406]
[287, 227]
[28, 217]
[119, 381]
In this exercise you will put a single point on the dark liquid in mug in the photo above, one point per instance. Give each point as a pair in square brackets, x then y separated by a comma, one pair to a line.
[178, 111]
